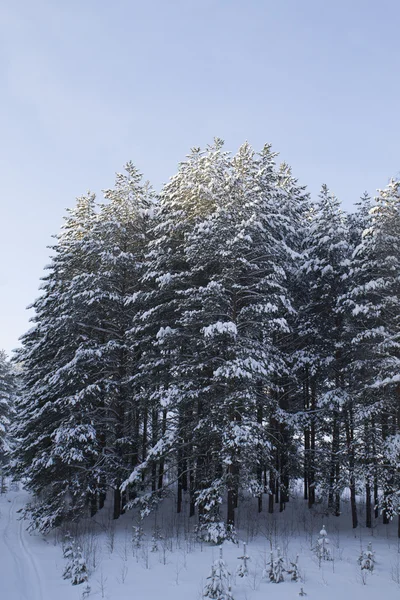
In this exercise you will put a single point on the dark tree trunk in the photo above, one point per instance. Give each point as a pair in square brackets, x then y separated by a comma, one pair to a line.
[154, 440]
[260, 449]
[387, 487]
[350, 451]
[368, 507]
[93, 504]
[162, 460]
[144, 441]
[192, 506]
[306, 406]
[117, 503]
[123, 502]
[311, 477]
[271, 493]
[179, 492]
[231, 507]
[376, 496]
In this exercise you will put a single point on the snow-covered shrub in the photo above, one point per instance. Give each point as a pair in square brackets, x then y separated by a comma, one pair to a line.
[302, 592]
[215, 532]
[366, 559]
[79, 572]
[86, 592]
[68, 545]
[275, 567]
[137, 536]
[76, 568]
[322, 549]
[293, 570]
[242, 568]
[218, 586]
[156, 538]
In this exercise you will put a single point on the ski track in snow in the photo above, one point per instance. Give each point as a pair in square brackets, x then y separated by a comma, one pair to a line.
[26, 571]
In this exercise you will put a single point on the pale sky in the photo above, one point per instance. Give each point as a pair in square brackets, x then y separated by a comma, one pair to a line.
[87, 85]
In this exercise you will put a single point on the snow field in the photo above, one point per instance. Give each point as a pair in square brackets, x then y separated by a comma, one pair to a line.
[165, 561]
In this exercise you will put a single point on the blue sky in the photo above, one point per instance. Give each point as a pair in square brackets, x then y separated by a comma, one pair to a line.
[87, 85]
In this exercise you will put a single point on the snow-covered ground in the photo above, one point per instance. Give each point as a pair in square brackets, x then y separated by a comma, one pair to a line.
[176, 566]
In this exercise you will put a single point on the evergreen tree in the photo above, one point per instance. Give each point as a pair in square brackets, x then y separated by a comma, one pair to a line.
[321, 326]
[57, 443]
[373, 301]
[120, 241]
[217, 341]
[7, 400]
[218, 587]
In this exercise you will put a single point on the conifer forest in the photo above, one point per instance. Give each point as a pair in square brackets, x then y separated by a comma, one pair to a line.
[225, 338]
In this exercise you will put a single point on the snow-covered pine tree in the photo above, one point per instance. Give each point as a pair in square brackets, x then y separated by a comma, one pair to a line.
[76, 568]
[294, 210]
[7, 401]
[175, 440]
[366, 559]
[374, 303]
[79, 572]
[235, 309]
[242, 569]
[321, 325]
[137, 535]
[214, 313]
[276, 567]
[57, 445]
[293, 569]
[121, 237]
[68, 545]
[77, 361]
[218, 587]
[359, 219]
[322, 548]
[359, 441]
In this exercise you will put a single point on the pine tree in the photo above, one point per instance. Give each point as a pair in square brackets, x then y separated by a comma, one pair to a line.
[373, 302]
[7, 401]
[243, 569]
[214, 317]
[367, 559]
[322, 548]
[215, 343]
[359, 441]
[57, 443]
[293, 570]
[76, 568]
[218, 587]
[121, 238]
[172, 440]
[276, 568]
[321, 326]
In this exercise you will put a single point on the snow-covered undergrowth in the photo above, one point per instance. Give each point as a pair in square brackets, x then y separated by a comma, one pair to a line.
[160, 558]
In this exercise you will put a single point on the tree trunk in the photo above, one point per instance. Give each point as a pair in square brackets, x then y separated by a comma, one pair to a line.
[376, 496]
[271, 493]
[162, 459]
[368, 513]
[117, 503]
[231, 507]
[93, 504]
[192, 506]
[154, 440]
[311, 478]
[306, 406]
[350, 451]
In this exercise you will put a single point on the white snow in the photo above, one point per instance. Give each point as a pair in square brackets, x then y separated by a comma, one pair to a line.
[220, 328]
[121, 567]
